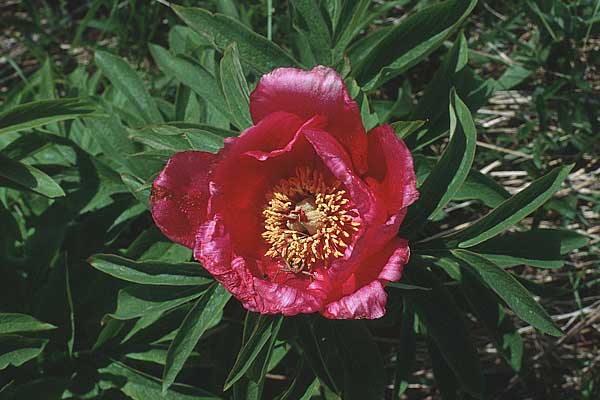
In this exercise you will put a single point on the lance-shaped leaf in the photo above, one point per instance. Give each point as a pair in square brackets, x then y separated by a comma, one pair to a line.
[192, 74]
[442, 372]
[265, 327]
[235, 87]
[353, 18]
[453, 73]
[309, 20]
[450, 172]
[303, 386]
[140, 386]
[16, 350]
[363, 365]
[124, 78]
[39, 113]
[25, 177]
[251, 387]
[139, 300]
[406, 352]
[344, 357]
[150, 272]
[510, 290]
[490, 313]
[409, 42]
[476, 186]
[202, 316]
[542, 248]
[13, 323]
[445, 325]
[317, 343]
[405, 128]
[514, 209]
[255, 50]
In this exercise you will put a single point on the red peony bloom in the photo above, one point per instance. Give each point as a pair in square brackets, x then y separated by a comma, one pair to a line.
[299, 213]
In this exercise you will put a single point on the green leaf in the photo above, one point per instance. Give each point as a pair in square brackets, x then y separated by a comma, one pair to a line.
[255, 50]
[406, 352]
[543, 248]
[173, 139]
[444, 377]
[311, 24]
[14, 323]
[204, 140]
[491, 314]
[476, 186]
[453, 73]
[16, 350]
[182, 101]
[510, 290]
[139, 300]
[344, 357]
[138, 188]
[411, 40]
[157, 354]
[140, 386]
[405, 286]
[444, 80]
[202, 316]
[235, 87]
[404, 128]
[514, 75]
[364, 374]
[450, 172]
[150, 272]
[124, 78]
[359, 51]
[52, 388]
[39, 113]
[112, 137]
[303, 387]
[251, 387]
[353, 18]
[23, 176]
[192, 74]
[514, 209]
[481, 187]
[318, 345]
[445, 325]
[265, 327]
[69, 296]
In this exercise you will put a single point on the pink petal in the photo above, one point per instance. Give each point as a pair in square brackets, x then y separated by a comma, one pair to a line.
[274, 298]
[374, 230]
[180, 195]
[366, 297]
[255, 162]
[337, 160]
[320, 91]
[215, 250]
[392, 270]
[368, 302]
[391, 172]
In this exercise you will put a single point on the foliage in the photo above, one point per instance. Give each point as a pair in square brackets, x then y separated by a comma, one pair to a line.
[95, 303]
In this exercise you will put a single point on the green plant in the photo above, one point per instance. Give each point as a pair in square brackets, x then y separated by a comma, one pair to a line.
[96, 303]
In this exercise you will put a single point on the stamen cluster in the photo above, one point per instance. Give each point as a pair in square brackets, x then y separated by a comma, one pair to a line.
[307, 221]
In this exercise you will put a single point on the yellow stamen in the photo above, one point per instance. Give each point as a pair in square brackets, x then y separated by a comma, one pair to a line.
[308, 221]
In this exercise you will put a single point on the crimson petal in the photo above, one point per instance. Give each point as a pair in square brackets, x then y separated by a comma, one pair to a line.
[365, 295]
[320, 91]
[391, 173]
[180, 195]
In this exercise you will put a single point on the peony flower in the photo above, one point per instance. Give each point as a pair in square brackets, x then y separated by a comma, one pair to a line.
[300, 213]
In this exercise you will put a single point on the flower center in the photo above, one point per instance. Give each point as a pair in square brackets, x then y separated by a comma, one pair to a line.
[307, 221]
